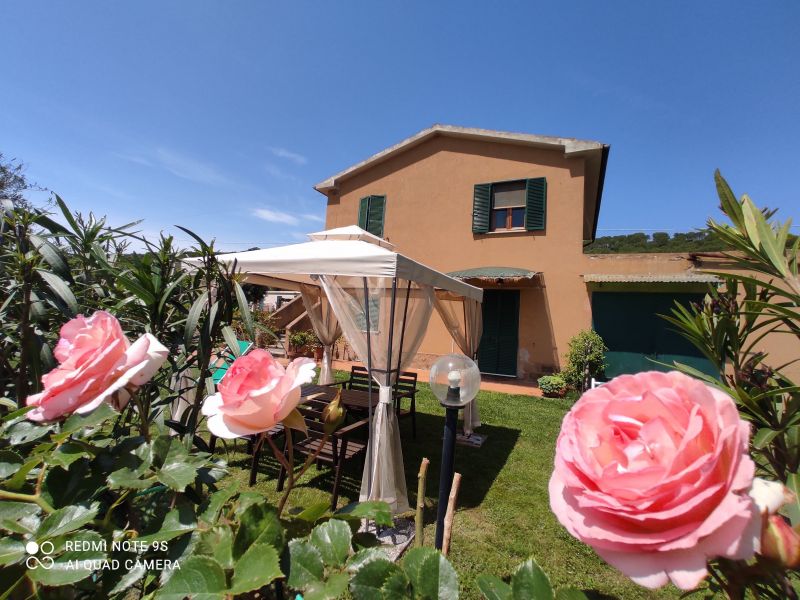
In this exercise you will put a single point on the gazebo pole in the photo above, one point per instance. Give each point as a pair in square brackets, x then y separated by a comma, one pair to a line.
[370, 446]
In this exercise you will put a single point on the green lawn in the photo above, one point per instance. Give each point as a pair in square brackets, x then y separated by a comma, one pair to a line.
[503, 509]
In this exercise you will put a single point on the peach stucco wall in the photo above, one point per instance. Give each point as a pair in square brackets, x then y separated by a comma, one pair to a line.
[428, 217]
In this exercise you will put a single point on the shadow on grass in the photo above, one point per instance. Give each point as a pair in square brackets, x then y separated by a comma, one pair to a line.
[479, 467]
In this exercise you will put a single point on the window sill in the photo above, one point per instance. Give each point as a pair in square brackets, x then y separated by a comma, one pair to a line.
[504, 231]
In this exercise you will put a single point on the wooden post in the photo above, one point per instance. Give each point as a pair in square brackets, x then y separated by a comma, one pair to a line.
[423, 473]
[451, 509]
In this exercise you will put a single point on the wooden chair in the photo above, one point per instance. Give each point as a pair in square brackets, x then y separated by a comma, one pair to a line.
[338, 449]
[404, 387]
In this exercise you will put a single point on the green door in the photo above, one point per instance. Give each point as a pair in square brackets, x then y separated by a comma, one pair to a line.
[637, 337]
[497, 354]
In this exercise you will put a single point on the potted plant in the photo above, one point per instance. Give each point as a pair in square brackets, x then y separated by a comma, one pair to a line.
[304, 343]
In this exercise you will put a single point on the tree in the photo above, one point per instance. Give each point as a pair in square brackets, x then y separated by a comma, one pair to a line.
[13, 182]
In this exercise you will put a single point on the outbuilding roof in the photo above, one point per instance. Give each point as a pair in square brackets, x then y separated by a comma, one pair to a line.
[493, 273]
[687, 277]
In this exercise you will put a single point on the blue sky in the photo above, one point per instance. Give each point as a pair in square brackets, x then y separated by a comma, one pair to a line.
[221, 116]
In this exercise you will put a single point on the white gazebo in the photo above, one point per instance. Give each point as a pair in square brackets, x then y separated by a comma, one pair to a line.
[355, 283]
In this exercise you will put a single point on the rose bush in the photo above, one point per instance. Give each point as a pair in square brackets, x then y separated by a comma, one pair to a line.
[255, 394]
[97, 363]
[652, 470]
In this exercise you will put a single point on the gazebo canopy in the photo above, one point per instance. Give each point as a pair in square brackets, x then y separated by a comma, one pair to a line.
[355, 283]
[346, 251]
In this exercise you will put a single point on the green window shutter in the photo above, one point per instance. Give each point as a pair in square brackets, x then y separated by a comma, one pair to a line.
[363, 208]
[535, 204]
[481, 207]
[377, 205]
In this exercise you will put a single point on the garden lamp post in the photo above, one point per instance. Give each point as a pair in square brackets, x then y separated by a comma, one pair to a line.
[455, 380]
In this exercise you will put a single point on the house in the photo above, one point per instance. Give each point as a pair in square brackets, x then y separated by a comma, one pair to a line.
[511, 213]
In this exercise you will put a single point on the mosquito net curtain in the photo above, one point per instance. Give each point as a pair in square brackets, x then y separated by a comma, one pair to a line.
[384, 320]
[325, 324]
[464, 320]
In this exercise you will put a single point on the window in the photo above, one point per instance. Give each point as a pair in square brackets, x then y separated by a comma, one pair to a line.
[508, 205]
[370, 214]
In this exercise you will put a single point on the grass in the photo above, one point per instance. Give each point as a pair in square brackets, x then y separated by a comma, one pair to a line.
[504, 513]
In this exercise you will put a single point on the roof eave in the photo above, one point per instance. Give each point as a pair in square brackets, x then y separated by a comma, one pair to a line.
[572, 147]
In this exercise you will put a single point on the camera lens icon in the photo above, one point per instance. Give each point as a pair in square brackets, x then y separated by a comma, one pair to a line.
[46, 548]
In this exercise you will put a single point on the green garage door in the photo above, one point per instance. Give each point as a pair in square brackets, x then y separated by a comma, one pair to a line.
[636, 336]
[497, 354]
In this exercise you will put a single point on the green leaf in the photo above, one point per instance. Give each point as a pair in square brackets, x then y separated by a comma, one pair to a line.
[193, 317]
[179, 468]
[10, 462]
[217, 542]
[99, 415]
[67, 215]
[305, 564]
[60, 288]
[793, 508]
[570, 594]
[11, 550]
[494, 588]
[368, 582]
[52, 256]
[529, 581]
[244, 310]
[66, 454]
[259, 566]
[19, 517]
[179, 520]
[380, 512]
[332, 539]
[128, 578]
[312, 513]
[65, 520]
[230, 340]
[362, 557]
[170, 289]
[431, 575]
[127, 478]
[295, 420]
[258, 523]
[71, 566]
[764, 436]
[24, 432]
[334, 587]
[200, 578]
[216, 502]
[20, 477]
[8, 403]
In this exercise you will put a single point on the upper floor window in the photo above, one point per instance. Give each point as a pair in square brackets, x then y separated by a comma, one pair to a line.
[508, 205]
[370, 214]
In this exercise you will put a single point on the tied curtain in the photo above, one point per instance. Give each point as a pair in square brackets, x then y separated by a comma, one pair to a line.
[384, 326]
[325, 324]
[464, 320]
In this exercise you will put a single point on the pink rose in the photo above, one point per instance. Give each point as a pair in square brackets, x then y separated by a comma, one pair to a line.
[652, 472]
[255, 394]
[96, 362]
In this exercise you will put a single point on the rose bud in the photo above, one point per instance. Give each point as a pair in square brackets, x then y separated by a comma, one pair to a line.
[333, 414]
[780, 542]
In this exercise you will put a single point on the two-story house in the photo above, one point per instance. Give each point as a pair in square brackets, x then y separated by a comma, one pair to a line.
[511, 213]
